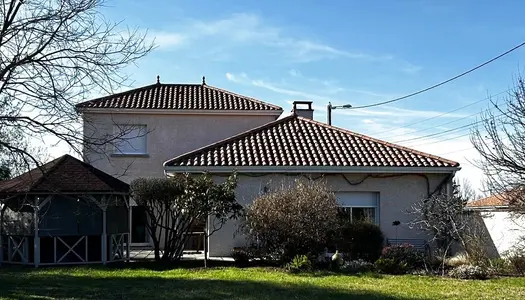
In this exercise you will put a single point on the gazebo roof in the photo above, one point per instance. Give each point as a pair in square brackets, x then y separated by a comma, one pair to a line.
[65, 174]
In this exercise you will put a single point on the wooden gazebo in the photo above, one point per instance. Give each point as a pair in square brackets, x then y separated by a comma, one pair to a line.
[64, 212]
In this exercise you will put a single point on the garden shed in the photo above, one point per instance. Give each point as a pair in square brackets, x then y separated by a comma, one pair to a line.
[64, 212]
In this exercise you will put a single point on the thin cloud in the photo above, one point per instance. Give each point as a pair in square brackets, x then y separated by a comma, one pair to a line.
[295, 73]
[167, 40]
[245, 30]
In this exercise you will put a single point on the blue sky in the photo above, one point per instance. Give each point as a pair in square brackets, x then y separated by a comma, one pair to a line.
[356, 52]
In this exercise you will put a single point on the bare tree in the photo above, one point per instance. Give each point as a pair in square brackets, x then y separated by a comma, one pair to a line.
[500, 140]
[447, 222]
[54, 54]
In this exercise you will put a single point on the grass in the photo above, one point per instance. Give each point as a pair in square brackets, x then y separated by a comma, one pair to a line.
[234, 283]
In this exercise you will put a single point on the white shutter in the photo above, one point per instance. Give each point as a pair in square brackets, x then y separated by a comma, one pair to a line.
[357, 199]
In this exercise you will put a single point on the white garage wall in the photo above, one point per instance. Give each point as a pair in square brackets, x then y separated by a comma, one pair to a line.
[505, 231]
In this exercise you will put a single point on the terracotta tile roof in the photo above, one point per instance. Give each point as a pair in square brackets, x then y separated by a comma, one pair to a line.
[179, 96]
[64, 174]
[298, 141]
[492, 201]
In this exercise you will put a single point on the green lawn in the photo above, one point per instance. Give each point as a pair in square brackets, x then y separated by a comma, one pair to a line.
[233, 283]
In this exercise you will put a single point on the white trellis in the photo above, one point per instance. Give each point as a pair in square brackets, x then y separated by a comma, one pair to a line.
[17, 246]
[118, 247]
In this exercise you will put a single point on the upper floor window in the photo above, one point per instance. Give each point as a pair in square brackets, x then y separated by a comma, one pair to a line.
[130, 139]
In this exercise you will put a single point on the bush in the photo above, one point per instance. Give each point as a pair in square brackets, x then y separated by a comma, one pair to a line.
[391, 266]
[469, 272]
[404, 253]
[500, 266]
[517, 263]
[241, 256]
[292, 221]
[300, 263]
[360, 240]
[357, 266]
[399, 259]
[458, 260]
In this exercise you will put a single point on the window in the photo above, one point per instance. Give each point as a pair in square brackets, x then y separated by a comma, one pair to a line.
[130, 139]
[359, 214]
[359, 206]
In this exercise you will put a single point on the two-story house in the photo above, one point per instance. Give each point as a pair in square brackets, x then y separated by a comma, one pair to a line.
[197, 127]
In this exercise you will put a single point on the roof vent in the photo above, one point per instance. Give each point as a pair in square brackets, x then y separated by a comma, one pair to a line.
[303, 109]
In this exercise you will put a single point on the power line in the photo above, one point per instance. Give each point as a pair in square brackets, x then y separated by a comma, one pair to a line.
[456, 151]
[443, 82]
[439, 133]
[440, 141]
[443, 124]
[461, 128]
[443, 114]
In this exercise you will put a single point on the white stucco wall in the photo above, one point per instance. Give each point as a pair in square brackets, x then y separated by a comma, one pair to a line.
[505, 231]
[169, 136]
[396, 196]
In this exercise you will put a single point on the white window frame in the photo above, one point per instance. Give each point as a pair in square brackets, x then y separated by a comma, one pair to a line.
[117, 129]
[376, 212]
[376, 207]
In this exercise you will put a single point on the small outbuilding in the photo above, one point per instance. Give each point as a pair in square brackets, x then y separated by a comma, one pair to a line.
[64, 212]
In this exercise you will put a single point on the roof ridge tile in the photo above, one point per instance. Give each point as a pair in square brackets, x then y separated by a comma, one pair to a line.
[179, 96]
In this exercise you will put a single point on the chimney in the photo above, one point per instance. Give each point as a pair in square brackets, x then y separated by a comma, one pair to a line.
[303, 109]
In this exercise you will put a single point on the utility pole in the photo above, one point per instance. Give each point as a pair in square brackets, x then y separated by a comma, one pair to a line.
[329, 109]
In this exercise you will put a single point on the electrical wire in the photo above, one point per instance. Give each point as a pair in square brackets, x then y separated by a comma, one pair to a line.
[437, 126]
[444, 132]
[445, 113]
[443, 82]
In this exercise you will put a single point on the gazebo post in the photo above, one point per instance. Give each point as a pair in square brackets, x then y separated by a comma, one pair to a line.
[36, 253]
[127, 200]
[104, 207]
[1, 231]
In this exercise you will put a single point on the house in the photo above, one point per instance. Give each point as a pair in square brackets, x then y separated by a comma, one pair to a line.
[64, 212]
[504, 231]
[167, 120]
[198, 128]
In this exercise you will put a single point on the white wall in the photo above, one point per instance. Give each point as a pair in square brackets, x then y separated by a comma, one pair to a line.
[505, 231]
[169, 135]
[396, 196]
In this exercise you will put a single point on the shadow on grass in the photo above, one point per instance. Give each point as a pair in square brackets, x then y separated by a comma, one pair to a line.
[27, 284]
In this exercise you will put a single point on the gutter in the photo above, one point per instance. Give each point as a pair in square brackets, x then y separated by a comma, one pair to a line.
[488, 208]
[181, 112]
[308, 169]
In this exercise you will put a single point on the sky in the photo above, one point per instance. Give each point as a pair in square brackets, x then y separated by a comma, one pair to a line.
[343, 52]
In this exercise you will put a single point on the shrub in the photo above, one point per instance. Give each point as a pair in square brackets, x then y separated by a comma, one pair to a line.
[458, 260]
[360, 240]
[241, 256]
[469, 272]
[290, 221]
[404, 253]
[391, 266]
[500, 266]
[517, 263]
[399, 259]
[300, 263]
[357, 266]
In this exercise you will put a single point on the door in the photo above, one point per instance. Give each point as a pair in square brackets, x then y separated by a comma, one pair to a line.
[139, 233]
